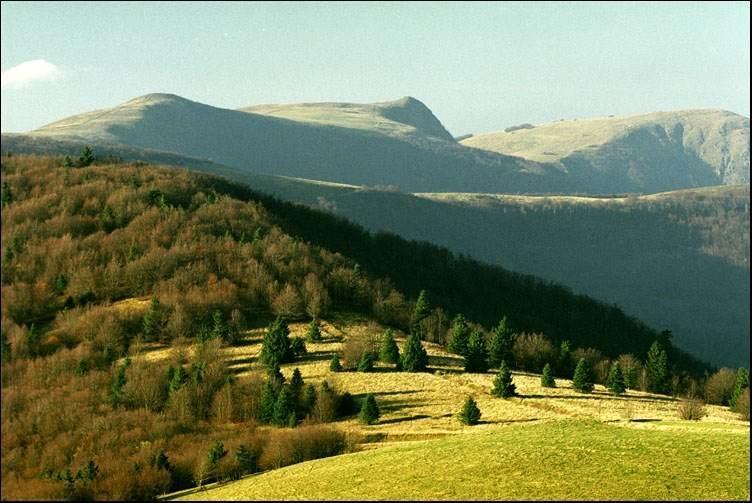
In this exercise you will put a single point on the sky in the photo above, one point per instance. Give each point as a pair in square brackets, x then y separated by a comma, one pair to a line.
[478, 66]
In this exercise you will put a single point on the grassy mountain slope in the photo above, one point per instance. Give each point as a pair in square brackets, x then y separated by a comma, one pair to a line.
[643, 153]
[545, 460]
[525, 447]
[417, 154]
[404, 117]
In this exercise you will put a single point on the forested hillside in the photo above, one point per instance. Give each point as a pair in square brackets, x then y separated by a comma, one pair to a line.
[102, 264]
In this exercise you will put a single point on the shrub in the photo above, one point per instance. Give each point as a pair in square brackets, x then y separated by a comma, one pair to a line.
[532, 351]
[355, 347]
[334, 364]
[719, 388]
[742, 405]
[692, 409]
[470, 413]
[369, 412]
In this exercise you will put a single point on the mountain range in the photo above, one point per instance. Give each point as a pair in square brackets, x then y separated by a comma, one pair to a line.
[678, 260]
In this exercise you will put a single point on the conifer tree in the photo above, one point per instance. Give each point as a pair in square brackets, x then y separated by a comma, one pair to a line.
[276, 346]
[470, 413]
[583, 378]
[657, 369]
[460, 336]
[742, 382]
[366, 362]
[313, 333]
[309, 398]
[547, 379]
[216, 453]
[179, 377]
[296, 386]
[476, 358]
[246, 459]
[334, 364]
[219, 327]
[5, 348]
[266, 405]
[389, 352]
[503, 383]
[86, 158]
[421, 311]
[615, 381]
[283, 407]
[415, 358]
[275, 377]
[502, 341]
[6, 194]
[369, 411]
[116, 389]
[152, 322]
[564, 363]
[161, 461]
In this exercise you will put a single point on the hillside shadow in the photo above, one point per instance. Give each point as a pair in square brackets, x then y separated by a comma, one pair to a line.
[601, 396]
[404, 419]
[446, 361]
[317, 356]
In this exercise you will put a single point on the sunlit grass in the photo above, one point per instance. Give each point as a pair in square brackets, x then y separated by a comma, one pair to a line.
[569, 459]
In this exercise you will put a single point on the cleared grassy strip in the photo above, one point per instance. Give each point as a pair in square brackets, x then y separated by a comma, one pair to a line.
[549, 460]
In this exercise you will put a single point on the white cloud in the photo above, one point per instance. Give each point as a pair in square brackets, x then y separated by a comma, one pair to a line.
[29, 72]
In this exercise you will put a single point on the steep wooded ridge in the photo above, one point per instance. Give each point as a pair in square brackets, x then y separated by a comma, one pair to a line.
[402, 143]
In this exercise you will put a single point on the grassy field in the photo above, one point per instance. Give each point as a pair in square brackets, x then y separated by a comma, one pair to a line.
[566, 459]
[549, 443]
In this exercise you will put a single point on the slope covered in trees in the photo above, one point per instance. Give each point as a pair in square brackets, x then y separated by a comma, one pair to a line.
[116, 232]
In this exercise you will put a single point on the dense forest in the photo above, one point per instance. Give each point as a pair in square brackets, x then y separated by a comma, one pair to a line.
[81, 240]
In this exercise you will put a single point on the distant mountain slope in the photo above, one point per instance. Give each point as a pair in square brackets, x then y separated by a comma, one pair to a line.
[404, 117]
[401, 143]
[375, 149]
[643, 153]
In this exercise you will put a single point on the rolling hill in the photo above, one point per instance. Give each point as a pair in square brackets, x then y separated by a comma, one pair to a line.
[643, 153]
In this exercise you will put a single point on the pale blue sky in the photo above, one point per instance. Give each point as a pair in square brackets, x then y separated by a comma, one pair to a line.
[478, 66]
